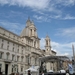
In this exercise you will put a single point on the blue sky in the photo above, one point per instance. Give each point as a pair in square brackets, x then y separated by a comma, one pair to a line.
[53, 17]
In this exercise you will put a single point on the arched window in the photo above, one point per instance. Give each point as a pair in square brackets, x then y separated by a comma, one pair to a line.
[47, 42]
[34, 43]
[31, 31]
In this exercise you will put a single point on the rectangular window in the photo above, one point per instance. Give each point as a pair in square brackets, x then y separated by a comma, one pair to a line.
[14, 37]
[17, 50]
[2, 40]
[17, 69]
[22, 51]
[0, 67]
[12, 68]
[7, 56]
[7, 47]
[12, 57]
[13, 49]
[30, 60]
[22, 69]
[35, 60]
[27, 59]
[9, 34]
[34, 43]
[22, 47]
[17, 58]
[2, 45]
[13, 44]
[28, 48]
[22, 59]
[0, 55]
[4, 33]
[7, 42]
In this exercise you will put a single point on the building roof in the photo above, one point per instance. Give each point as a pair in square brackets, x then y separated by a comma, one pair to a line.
[9, 31]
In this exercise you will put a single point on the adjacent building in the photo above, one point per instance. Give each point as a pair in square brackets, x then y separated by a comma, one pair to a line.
[19, 52]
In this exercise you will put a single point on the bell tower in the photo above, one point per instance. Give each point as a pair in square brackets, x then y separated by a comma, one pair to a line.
[47, 45]
[33, 30]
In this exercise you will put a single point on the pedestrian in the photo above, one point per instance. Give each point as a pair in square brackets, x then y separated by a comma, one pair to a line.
[29, 73]
[67, 72]
[42, 73]
[0, 73]
[17, 73]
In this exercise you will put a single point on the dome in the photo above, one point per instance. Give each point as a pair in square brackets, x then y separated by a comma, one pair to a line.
[24, 32]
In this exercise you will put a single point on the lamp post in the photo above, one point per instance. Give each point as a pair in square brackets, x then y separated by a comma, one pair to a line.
[73, 52]
[73, 59]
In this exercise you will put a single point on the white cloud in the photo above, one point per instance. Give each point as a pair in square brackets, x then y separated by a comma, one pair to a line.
[41, 18]
[43, 6]
[55, 16]
[13, 27]
[38, 17]
[68, 17]
[70, 32]
[47, 5]
[61, 49]
[59, 16]
[68, 2]
[39, 4]
[65, 2]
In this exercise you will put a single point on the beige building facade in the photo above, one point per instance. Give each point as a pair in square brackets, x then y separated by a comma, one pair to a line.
[18, 53]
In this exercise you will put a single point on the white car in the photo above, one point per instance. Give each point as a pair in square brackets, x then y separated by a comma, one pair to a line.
[51, 71]
[62, 71]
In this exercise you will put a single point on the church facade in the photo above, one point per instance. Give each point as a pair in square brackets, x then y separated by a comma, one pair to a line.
[18, 53]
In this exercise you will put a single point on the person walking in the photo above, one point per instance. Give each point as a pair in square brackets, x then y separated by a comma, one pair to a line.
[42, 73]
[29, 73]
[0, 73]
[67, 72]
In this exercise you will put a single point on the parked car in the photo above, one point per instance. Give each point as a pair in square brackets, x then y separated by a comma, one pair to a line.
[62, 71]
[50, 71]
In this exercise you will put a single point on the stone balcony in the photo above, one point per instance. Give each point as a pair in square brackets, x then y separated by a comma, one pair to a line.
[7, 60]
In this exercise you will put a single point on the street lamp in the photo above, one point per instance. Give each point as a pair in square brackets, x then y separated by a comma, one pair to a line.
[73, 59]
[73, 52]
